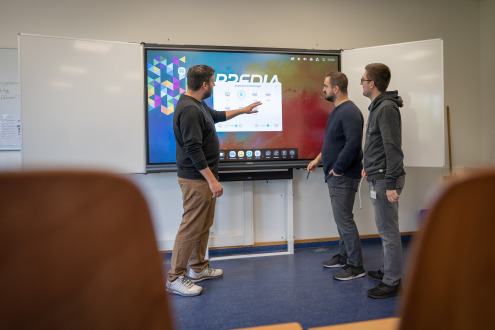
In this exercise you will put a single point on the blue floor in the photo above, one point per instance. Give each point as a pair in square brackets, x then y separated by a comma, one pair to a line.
[285, 288]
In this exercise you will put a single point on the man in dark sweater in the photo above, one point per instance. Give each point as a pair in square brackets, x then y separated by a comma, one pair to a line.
[342, 157]
[197, 170]
[384, 171]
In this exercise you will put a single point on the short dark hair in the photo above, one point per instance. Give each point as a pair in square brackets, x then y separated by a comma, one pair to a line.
[197, 75]
[380, 74]
[338, 79]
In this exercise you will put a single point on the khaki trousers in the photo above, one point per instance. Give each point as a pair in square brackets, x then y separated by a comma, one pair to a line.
[192, 237]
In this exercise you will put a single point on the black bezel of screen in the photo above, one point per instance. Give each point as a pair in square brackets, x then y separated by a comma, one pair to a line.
[237, 166]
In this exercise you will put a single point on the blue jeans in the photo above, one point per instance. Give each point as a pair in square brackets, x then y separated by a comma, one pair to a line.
[387, 223]
[342, 192]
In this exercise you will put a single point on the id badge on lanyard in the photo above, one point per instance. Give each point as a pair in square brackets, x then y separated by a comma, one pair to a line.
[373, 191]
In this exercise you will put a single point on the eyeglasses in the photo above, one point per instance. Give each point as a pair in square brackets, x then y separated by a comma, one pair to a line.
[363, 80]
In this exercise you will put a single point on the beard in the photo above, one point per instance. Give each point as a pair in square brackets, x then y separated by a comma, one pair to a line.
[207, 94]
[330, 97]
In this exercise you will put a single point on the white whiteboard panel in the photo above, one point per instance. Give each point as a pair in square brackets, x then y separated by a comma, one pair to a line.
[417, 73]
[10, 91]
[82, 104]
[10, 104]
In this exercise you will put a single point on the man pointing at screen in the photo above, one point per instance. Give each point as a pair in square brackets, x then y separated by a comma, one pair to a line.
[197, 156]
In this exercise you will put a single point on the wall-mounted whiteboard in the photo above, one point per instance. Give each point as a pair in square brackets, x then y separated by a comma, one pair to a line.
[10, 91]
[10, 102]
[82, 104]
[82, 101]
[417, 73]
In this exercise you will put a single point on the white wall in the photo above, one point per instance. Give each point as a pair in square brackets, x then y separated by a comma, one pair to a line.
[319, 24]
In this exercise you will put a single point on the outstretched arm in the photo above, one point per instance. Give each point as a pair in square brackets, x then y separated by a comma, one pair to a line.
[249, 109]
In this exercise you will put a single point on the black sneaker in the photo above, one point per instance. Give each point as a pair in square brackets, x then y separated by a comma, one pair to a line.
[349, 272]
[336, 261]
[383, 291]
[375, 275]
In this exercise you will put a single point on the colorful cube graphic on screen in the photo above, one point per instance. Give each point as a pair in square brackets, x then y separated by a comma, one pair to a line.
[166, 83]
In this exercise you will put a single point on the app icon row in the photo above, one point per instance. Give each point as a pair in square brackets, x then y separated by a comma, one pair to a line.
[258, 154]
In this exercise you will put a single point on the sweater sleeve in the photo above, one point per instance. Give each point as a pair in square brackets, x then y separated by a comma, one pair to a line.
[217, 116]
[352, 125]
[389, 122]
[191, 129]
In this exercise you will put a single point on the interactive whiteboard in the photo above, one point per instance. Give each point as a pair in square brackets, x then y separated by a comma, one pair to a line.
[417, 73]
[82, 104]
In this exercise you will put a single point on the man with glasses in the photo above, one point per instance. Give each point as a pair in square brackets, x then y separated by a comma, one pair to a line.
[342, 157]
[384, 171]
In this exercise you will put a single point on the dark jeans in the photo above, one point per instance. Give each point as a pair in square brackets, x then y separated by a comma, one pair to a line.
[387, 223]
[342, 192]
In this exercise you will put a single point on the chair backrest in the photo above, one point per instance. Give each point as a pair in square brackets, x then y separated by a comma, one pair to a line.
[78, 251]
[450, 284]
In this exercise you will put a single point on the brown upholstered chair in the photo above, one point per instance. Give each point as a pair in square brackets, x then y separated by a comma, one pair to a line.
[77, 251]
[451, 284]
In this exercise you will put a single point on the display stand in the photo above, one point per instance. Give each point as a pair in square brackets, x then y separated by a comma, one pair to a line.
[290, 228]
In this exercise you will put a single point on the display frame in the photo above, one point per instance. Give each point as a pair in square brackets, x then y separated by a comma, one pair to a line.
[245, 165]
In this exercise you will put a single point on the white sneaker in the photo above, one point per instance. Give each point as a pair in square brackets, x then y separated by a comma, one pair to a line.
[206, 274]
[183, 287]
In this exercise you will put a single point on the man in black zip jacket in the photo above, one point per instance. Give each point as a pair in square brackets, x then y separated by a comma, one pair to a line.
[384, 171]
[342, 157]
[197, 156]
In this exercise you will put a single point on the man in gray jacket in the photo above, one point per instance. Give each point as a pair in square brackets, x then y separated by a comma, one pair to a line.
[384, 171]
